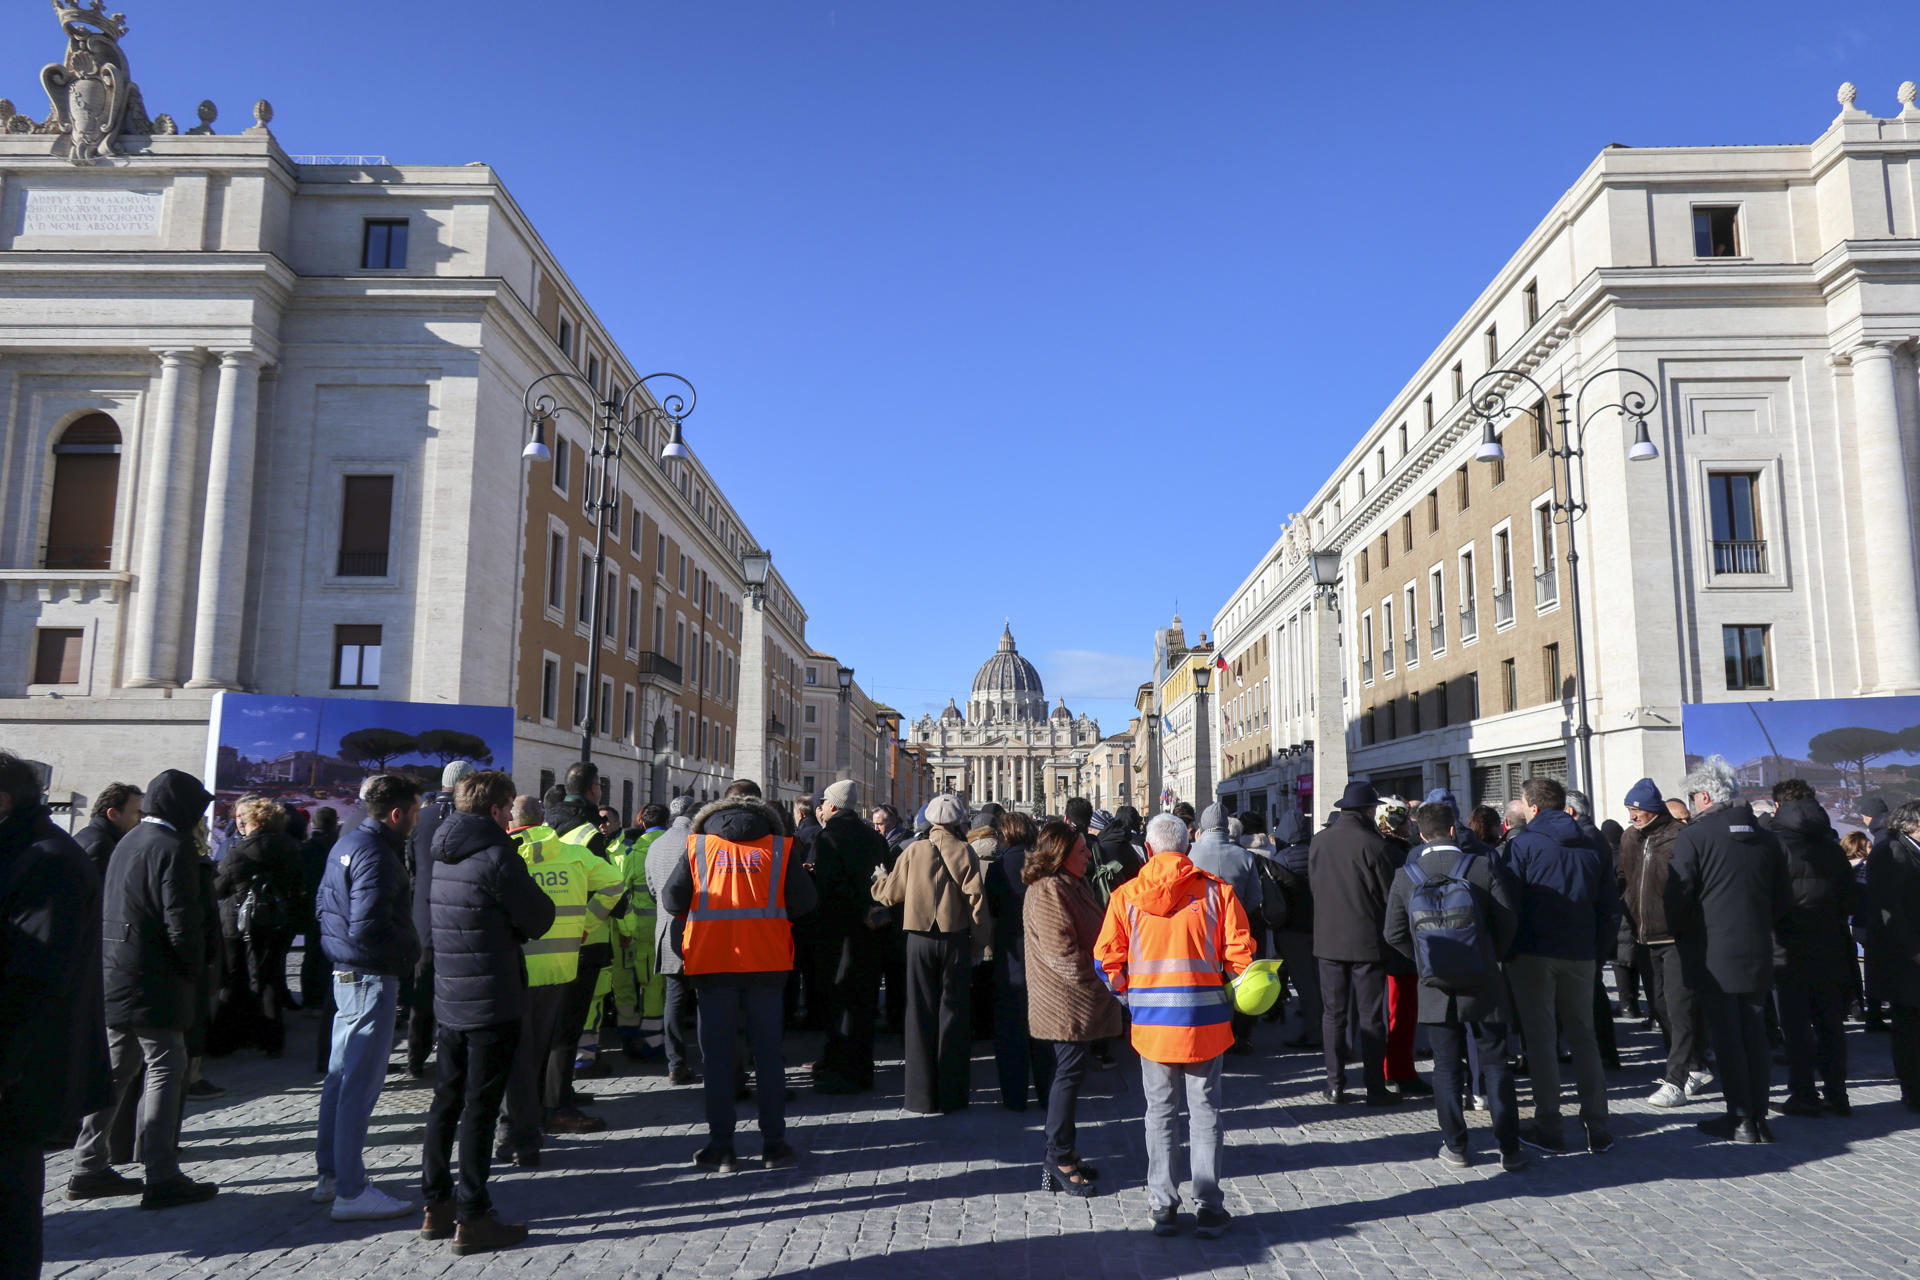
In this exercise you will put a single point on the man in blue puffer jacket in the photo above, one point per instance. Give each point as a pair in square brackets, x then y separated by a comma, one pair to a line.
[1569, 905]
[365, 910]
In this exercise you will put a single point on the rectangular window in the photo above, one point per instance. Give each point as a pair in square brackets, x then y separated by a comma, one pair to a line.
[1386, 551]
[633, 617]
[549, 689]
[1473, 695]
[587, 580]
[1530, 300]
[579, 698]
[593, 371]
[1441, 711]
[1749, 665]
[613, 516]
[810, 748]
[383, 246]
[1500, 463]
[1403, 439]
[679, 644]
[676, 729]
[813, 675]
[1509, 685]
[1413, 712]
[660, 556]
[1550, 667]
[606, 705]
[1433, 511]
[566, 337]
[660, 629]
[1493, 345]
[1738, 544]
[1542, 438]
[1462, 489]
[683, 575]
[56, 655]
[366, 522]
[1381, 455]
[633, 529]
[700, 747]
[562, 461]
[356, 657]
[1406, 532]
[1427, 408]
[810, 713]
[1366, 573]
[626, 715]
[1716, 231]
[610, 607]
[1459, 380]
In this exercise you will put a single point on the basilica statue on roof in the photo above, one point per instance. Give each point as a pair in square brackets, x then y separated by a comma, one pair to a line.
[1007, 747]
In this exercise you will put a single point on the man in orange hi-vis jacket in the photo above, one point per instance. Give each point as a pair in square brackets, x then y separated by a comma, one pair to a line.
[1173, 938]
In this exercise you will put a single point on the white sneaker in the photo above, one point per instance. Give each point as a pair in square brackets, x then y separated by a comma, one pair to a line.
[1668, 1095]
[1698, 1082]
[323, 1189]
[370, 1206]
[1475, 1102]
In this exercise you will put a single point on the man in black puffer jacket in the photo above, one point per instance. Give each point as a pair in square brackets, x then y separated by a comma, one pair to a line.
[154, 914]
[485, 905]
[433, 811]
[1291, 837]
[1813, 952]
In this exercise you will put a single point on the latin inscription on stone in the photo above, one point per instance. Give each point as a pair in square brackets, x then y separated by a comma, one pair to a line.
[75, 212]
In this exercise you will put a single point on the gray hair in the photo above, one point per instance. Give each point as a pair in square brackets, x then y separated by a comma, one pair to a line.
[1167, 834]
[1906, 819]
[527, 812]
[1235, 829]
[1714, 777]
[1578, 805]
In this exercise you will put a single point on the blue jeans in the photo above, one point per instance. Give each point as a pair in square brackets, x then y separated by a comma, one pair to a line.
[364, 1007]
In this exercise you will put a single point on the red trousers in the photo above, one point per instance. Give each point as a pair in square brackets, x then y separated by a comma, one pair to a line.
[1403, 1015]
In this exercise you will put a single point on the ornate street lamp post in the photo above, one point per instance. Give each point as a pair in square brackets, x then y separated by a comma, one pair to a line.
[1566, 433]
[843, 747]
[620, 417]
[1202, 738]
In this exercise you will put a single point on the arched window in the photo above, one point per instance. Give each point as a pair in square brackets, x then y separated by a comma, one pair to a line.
[86, 482]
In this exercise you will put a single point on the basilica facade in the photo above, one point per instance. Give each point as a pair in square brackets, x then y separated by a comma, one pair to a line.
[1006, 747]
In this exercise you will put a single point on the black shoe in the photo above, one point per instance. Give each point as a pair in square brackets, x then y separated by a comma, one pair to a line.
[1599, 1141]
[1801, 1107]
[1553, 1145]
[102, 1186]
[1611, 1061]
[1747, 1131]
[1513, 1161]
[1878, 1027]
[1415, 1088]
[1838, 1104]
[1211, 1224]
[718, 1159]
[1165, 1222]
[1721, 1127]
[1764, 1129]
[201, 1090]
[1338, 1097]
[1382, 1098]
[1303, 1042]
[778, 1155]
[177, 1191]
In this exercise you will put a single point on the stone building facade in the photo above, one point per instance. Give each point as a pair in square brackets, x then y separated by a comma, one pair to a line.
[1006, 746]
[1769, 297]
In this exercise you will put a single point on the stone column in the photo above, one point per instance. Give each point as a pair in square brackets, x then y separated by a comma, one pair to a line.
[1329, 712]
[169, 463]
[751, 754]
[224, 541]
[1892, 604]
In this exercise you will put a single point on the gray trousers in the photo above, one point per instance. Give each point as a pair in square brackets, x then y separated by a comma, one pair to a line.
[1550, 995]
[163, 1056]
[1161, 1083]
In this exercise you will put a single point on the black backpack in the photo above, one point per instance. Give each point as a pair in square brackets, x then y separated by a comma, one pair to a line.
[1275, 911]
[1452, 949]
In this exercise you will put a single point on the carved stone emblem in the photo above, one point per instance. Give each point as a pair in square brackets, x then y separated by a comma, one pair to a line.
[90, 88]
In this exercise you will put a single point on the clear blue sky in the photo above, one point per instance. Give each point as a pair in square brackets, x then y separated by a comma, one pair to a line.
[1036, 310]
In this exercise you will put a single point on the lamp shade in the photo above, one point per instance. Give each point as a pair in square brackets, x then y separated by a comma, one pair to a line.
[1643, 448]
[1489, 450]
[536, 450]
[1202, 677]
[846, 677]
[1326, 568]
[676, 445]
[755, 565]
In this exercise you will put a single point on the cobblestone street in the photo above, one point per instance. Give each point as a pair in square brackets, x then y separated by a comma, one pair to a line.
[1315, 1192]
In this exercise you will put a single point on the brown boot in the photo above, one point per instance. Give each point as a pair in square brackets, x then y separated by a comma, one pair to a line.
[573, 1120]
[438, 1223]
[484, 1235]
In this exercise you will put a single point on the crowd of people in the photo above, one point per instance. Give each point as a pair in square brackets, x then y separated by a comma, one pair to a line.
[514, 940]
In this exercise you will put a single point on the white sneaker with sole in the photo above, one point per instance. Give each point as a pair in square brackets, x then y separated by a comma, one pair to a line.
[1668, 1095]
[1698, 1082]
[370, 1205]
[323, 1189]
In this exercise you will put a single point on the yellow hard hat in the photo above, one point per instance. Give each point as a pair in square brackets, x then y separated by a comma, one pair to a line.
[1257, 988]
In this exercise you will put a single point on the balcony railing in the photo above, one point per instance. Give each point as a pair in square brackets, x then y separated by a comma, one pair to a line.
[362, 564]
[77, 557]
[1469, 623]
[1502, 607]
[1437, 637]
[659, 664]
[1740, 557]
[1386, 660]
[1412, 649]
[1546, 587]
[1366, 670]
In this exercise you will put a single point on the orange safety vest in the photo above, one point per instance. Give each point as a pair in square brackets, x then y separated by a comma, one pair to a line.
[738, 921]
[1170, 970]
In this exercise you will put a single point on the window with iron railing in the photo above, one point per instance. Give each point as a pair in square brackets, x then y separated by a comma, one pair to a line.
[1437, 637]
[1546, 587]
[1386, 659]
[1469, 623]
[1502, 608]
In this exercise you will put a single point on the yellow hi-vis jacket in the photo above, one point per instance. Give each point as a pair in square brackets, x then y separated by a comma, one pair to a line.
[597, 927]
[630, 859]
[581, 886]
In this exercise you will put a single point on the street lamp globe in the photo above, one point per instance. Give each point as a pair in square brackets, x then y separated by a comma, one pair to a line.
[1202, 676]
[846, 677]
[1489, 450]
[756, 565]
[1326, 568]
[676, 445]
[536, 450]
[1643, 449]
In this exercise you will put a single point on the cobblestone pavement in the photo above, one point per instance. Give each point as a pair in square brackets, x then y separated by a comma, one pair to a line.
[1346, 1194]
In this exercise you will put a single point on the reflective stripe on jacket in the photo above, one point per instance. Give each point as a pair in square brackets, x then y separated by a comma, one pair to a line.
[738, 920]
[608, 886]
[1170, 938]
[630, 860]
[577, 881]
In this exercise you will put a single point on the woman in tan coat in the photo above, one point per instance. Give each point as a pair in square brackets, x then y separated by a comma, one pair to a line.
[1067, 1002]
[936, 884]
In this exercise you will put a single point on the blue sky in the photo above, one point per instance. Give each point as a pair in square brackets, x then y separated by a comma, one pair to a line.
[1731, 729]
[1030, 310]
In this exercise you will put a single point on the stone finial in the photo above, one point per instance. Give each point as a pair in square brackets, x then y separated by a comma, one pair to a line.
[163, 125]
[262, 116]
[1908, 92]
[208, 114]
[1847, 94]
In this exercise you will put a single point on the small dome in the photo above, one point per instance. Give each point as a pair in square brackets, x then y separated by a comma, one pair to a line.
[951, 713]
[1061, 713]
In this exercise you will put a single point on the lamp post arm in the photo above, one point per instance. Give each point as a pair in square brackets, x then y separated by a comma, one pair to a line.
[1494, 404]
